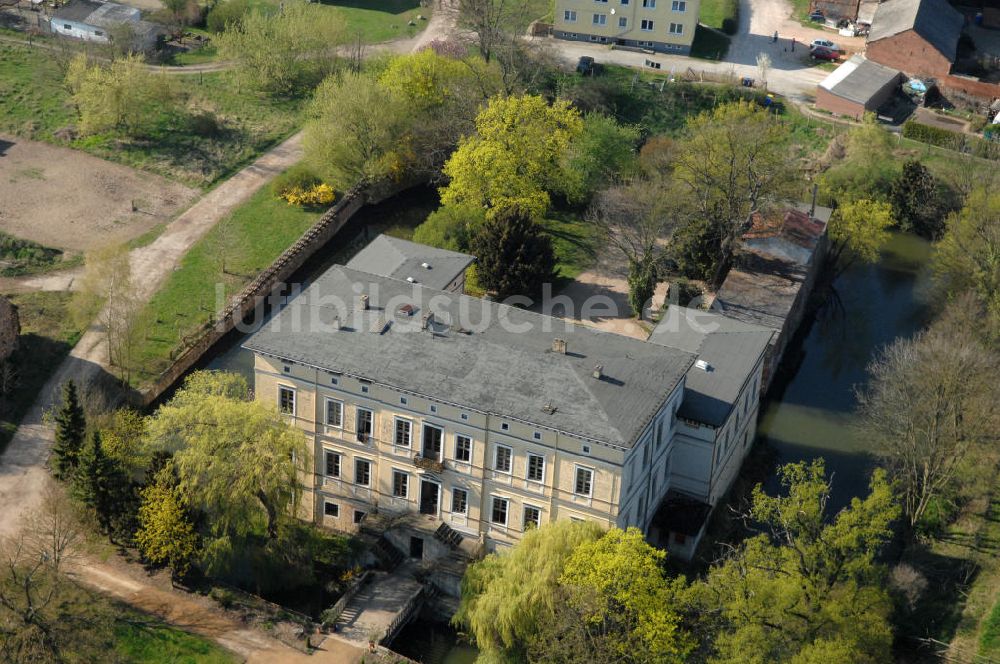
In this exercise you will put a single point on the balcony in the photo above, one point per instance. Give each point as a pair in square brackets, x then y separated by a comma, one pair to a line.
[427, 463]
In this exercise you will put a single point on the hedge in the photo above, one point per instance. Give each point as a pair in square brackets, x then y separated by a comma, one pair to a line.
[950, 140]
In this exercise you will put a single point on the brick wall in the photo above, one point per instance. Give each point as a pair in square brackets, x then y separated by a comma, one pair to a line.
[969, 86]
[828, 101]
[909, 53]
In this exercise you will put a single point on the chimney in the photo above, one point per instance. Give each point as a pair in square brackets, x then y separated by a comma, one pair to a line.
[427, 320]
[598, 371]
[812, 209]
[364, 303]
[559, 346]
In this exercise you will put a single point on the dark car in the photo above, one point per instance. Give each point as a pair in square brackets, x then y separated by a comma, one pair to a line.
[817, 16]
[824, 53]
[585, 65]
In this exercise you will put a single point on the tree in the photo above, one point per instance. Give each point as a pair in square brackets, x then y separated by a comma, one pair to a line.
[166, 534]
[517, 156]
[356, 131]
[734, 162]
[513, 256]
[966, 258]
[282, 53]
[506, 596]
[808, 588]
[450, 227]
[123, 440]
[638, 219]
[97, 483]
[858, 231]
[179, 10]
[71, 429]
[603, 152]
[866, 166]
[236, 459]
[623, 600]
[919, 201]
[226, 14]
[121, 97]
[929, 405]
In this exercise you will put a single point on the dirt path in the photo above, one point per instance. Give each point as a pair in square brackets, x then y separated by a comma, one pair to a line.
[22, 468]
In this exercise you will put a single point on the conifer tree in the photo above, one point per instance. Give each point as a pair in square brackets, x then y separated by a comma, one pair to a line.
[71, 428]
[94, 481]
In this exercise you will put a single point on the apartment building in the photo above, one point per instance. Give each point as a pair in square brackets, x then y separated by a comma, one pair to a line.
[661, 25]
[454, 410]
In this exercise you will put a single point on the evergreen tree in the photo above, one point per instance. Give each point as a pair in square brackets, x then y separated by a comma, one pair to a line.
[641, 284]
[71, 429]
[514, 257]
[96, 480]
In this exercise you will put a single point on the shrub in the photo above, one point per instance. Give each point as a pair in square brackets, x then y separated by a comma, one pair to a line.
[226, 13]
[315, 196]
[299, 176]
[943, 138]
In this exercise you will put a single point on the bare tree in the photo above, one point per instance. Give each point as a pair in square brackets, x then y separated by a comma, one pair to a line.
[929, 404]
[763, 67]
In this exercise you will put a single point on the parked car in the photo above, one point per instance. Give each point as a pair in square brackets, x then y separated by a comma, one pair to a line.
[824, 53]
[585, 65]
[817, 16]
[825, 43]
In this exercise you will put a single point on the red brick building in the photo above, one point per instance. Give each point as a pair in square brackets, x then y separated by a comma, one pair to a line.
[856, 87]
[919, 37]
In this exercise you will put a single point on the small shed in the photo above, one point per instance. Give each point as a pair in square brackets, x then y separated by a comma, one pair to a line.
[95, 21]
[856, 87]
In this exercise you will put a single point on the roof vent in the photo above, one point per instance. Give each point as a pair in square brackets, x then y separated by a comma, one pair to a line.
[549, 409]
[363, 303]
[703, 365]
[411, 280]
[559, 346]
[426, 266]
[598, 371]
[428, 320]
[406, 310]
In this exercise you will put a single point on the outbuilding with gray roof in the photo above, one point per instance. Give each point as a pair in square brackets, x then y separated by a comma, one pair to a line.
[856, 87]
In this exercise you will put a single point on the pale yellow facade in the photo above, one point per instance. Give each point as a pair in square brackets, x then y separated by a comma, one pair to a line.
[514, 470]
[660, 25]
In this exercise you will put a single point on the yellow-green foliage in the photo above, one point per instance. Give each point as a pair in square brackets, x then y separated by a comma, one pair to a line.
[320, 194]
[122, 96]
[166, 535]
[862, 227]
[424, 79]
[516, 157]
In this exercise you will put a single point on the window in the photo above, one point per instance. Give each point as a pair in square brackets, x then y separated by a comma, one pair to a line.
[599, 19]
[400, 484]
[362, 472]
[98, 33]
[502, 458]
[678, 6]
[586, 449]
[538, 435]
[465, 416]
[463, 448]
[334, 413]
[434, 408]
[584, 482]
[649, 4]
[646, 25]
[67, 26]
[364, 424]
[364, 389]
[569, 16]
[532, 517]
[286, 369]
[622, 22]
[625, 3]
[359, 516]
[331, 509]
[504, 426]
[403, 400]
[286, 400]
[404, 432]
[432, 442]
[677, 28]
[459, 501]
[536, 468]
[332, 464]
[498, 514]
[334, 381]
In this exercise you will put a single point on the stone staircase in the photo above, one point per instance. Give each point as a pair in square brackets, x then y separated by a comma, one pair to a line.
[448, 536]
[389, 557]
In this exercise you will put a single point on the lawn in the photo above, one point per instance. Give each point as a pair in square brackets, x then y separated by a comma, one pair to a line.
[574, 242]
[708, 44]
[380, 20]
[713, 12]
[47, 335]
[35, 104]
[247, 242]
[157, 643]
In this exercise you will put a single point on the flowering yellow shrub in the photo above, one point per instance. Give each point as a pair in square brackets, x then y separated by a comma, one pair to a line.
[320, 194]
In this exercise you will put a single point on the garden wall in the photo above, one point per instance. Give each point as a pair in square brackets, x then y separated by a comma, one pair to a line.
[280, 271]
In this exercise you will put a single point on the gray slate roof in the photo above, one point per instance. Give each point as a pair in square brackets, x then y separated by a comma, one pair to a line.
[936, 21]
[399, 259]
[730, 347]
[472, 358]
[859, 79]
[111, 14]
[77, 10]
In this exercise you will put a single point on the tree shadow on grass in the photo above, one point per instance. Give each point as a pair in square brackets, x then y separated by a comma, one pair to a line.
[385, 6]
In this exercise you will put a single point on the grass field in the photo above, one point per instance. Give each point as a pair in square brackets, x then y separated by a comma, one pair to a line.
[34, 103]
[248, 240]
[574, 241]
[709, 45]
[156, 643]
[713, 12]
[380, 20]
[47, 335]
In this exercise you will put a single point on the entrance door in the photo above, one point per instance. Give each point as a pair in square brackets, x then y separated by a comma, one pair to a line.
[417, 548]
[430, 493]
